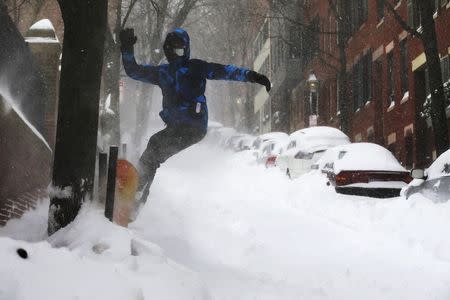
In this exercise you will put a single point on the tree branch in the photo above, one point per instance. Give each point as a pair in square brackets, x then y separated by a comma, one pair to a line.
[127, 15]
[400, 20]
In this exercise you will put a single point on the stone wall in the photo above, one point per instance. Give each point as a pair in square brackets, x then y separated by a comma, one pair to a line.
[25, 164]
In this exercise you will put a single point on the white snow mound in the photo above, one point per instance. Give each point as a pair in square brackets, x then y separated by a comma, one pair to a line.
[91, 259]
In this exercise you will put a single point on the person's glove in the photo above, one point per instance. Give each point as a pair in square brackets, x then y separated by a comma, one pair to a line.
[127, 40]
[253, 76]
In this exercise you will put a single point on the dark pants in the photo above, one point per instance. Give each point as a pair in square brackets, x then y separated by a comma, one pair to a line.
[163, 145]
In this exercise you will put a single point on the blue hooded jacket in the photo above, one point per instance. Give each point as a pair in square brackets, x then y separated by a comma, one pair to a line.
[183, 84]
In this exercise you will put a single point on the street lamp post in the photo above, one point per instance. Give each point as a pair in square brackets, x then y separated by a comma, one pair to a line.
[313, 85]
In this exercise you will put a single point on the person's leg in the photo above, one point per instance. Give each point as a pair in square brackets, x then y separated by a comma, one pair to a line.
[161, 146]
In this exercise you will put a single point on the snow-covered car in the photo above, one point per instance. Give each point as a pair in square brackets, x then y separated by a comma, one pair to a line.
[434, 183]
[258, 142]
[245, 143]
[232, 142]
[364, 169]
[306, 146]
[271, 149]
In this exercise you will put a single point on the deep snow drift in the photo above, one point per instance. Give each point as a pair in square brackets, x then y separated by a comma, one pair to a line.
[217, 226]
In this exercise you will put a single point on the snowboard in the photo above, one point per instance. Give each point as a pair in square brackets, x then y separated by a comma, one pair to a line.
[127, 180]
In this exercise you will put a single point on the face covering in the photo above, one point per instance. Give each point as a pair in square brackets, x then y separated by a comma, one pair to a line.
[179, 51]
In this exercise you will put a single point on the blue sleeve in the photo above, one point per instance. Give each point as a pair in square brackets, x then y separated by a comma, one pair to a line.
[229, 72]
[145, 73]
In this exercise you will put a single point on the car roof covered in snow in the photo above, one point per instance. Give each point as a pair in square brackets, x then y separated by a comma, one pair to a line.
[360, 157]
[317, 138]
[440, 167]
[273, 136]
[279, 144]
[319, 131]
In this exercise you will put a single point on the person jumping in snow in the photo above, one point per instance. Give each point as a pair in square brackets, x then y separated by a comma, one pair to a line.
[183, 82]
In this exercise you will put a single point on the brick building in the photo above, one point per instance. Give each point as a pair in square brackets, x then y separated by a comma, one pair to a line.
[275, 54]
[386, 70]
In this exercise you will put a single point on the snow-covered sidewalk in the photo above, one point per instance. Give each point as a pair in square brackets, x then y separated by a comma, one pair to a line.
[217, 226]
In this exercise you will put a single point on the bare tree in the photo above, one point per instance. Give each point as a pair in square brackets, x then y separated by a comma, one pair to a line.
[427, 36]
[24, 11]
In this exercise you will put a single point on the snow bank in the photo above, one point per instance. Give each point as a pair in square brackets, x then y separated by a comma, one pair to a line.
[248, 233]
[253, 234]
[89, 259]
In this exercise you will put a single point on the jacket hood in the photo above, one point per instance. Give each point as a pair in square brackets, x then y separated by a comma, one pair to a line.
[184, 37]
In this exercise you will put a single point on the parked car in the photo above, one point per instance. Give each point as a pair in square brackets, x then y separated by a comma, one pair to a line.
[306, 146]
[434, 183]
[245, 142]
[364, 169]
[258, 143]
[232, 141]
[271, 149]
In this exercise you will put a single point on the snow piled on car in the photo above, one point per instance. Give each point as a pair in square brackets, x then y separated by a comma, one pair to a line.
[440, 167]
[361, 157]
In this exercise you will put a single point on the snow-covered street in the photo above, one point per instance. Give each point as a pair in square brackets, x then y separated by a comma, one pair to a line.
[248, 232]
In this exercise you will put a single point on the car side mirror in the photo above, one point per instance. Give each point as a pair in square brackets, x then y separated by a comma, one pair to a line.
[418, 173]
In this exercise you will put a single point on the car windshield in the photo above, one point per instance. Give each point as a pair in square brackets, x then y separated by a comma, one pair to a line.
[292, 144]
[304, 155]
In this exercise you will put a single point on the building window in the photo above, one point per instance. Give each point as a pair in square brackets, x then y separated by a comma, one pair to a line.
[338, 92]
[390, 78]
[358, 12]
[409, 149]
[380, 9]
[311, 40]
[392, 149]
[363, 9]
[445, 69]
[362, 81]
[413, 14]
[367, 77]
[404, 65]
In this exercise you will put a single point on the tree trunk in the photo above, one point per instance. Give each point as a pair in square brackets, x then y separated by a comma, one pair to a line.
[438, 101]
[76, 137]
